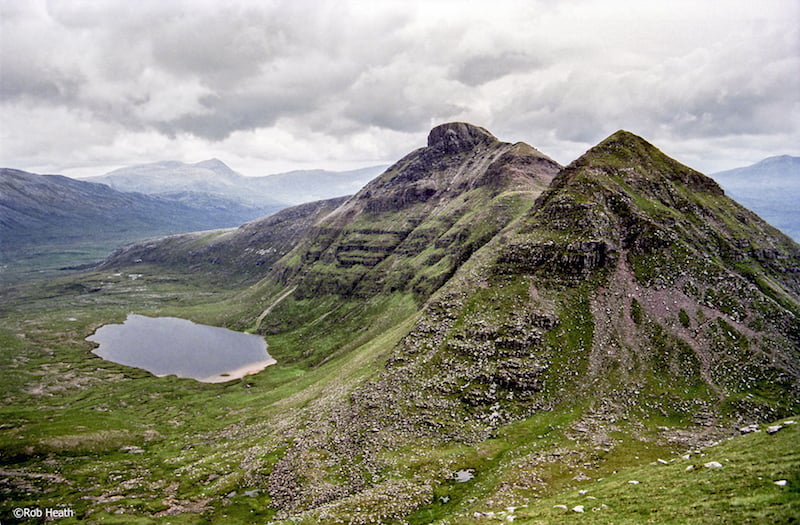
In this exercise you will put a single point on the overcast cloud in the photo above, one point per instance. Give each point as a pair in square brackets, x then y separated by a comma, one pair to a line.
[89, 86]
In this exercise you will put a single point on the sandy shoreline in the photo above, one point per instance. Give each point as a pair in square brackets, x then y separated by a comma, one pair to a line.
[251, 368]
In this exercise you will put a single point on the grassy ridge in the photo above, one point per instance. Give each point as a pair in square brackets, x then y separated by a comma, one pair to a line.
[684, 490]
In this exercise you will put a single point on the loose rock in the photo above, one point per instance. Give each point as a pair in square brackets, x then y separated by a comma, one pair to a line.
[748, 429]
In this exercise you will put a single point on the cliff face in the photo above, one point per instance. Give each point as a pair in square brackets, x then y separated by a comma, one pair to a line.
[632, 273]
[411, 227]
[632, 290]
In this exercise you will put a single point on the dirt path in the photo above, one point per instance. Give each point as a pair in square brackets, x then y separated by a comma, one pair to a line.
[269, 308]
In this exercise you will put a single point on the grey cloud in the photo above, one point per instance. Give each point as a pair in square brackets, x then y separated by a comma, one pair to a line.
[480, 69]
[25, 82]
[336, 69]
[233, 112]
[224, 50]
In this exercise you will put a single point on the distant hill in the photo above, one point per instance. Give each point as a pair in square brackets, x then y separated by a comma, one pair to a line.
[230, 255]
[771, 188]
[49, 221]
[214, 178]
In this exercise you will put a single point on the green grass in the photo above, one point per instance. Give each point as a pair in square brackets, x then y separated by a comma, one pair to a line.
[69, 414]
[743, 490]
[122, 446]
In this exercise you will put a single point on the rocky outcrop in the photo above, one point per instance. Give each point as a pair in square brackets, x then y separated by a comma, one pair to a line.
[410, 228]
[456, 137]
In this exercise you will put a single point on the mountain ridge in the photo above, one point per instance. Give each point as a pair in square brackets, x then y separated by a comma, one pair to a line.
[47, 217]
[477, 329]
[589, 291]
[214, 177]
[417, 211]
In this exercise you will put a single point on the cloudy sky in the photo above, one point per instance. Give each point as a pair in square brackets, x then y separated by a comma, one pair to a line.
[88, 86]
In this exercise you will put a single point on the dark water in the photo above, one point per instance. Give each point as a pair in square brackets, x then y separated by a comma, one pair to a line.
[172, 346]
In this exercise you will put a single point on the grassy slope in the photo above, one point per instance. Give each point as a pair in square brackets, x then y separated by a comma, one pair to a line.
[68, 417]
[743, 490]
[191, 433]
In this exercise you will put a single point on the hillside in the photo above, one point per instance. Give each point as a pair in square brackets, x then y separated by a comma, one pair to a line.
[410, 228]
[246, 252]
[49, 221]
[477, 329]
[771, 188]
[633, 291]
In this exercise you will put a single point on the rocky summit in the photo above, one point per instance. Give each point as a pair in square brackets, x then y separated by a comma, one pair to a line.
[411, 227]
[633, 289]
[477, 334]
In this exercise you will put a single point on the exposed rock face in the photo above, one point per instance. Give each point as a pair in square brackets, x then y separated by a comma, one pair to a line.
[633, 286]
[411, 227]
[456, 137]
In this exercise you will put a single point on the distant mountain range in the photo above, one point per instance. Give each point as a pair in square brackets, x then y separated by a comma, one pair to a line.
[214, 178]
[771, 188]
[51, 221]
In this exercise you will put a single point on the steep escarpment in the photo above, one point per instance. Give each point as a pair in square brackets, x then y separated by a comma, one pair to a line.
[410, 228]
[633, 298]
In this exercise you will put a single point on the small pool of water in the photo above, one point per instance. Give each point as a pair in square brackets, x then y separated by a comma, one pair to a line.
[171, 346]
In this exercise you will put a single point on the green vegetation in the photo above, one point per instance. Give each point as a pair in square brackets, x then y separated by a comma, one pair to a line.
[692, 489]
[447, 347]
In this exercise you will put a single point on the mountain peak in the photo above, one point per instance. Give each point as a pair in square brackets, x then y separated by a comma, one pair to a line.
[455, 137]
[213, 165]
[629, 144]
[635, 159]
[779, 161]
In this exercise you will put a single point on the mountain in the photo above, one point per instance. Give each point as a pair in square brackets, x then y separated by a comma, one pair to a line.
[49, 221]
[246, 252]
[474, 334]
[410, 228]
[309, 185]
[633, 291]
[771, 188]
[210, 176]
[214, 178]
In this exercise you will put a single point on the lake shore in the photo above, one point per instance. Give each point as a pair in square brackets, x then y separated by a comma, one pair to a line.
[252, 368]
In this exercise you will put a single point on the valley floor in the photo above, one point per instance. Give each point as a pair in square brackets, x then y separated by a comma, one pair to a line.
[113, 444]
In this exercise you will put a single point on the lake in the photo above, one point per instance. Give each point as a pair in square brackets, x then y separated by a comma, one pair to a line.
[171, 346]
